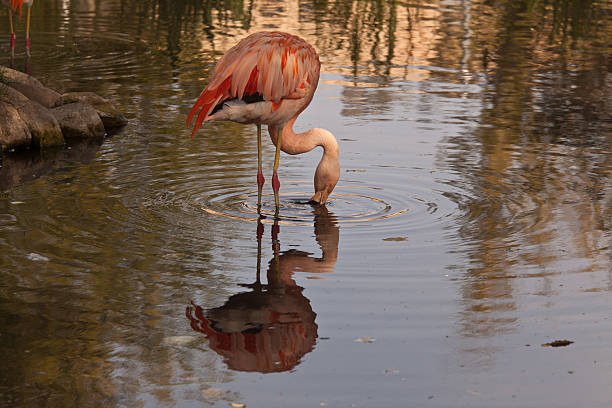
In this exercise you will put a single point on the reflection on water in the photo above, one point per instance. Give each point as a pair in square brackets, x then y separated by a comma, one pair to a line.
[534, 174]
[21, 167]
[474, 202]
[271, 327]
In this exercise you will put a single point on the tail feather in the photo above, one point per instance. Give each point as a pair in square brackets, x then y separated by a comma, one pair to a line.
[204, 113]
[15, 4]
[208, 99]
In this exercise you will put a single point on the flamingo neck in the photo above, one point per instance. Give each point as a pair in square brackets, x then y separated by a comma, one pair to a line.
[328, 171]
[297, 143]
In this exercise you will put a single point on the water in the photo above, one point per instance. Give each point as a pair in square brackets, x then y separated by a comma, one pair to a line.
[470, 225]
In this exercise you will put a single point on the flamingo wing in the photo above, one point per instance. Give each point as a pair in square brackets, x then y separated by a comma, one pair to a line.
[273, 65]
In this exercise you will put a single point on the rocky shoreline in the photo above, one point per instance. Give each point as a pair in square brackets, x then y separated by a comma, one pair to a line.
[34, 116]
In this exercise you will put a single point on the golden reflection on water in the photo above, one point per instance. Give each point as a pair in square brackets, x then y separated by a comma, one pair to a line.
[536, 172]
[529, 174]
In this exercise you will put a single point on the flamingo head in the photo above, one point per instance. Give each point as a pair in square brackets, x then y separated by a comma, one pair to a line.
[328, 171]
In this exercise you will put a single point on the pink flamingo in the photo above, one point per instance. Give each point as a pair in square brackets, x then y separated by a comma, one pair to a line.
[13, 5]
[269, 78]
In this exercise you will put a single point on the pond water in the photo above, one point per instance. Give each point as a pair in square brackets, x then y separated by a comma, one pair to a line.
[471, 225]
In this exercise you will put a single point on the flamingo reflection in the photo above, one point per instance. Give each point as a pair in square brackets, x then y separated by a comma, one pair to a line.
[272, 326]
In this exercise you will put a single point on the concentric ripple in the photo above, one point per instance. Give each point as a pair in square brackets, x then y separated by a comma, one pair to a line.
[351, 204]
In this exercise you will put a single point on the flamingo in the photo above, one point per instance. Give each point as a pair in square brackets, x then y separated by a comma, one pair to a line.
[13, 5]
[269, 78]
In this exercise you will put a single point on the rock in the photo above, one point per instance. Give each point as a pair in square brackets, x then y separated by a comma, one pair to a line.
[45, 96]
[43, 126]
[12, 75]
[111, 117]
[34, 115]
[29, 86]
[14, 133]
[79, 120]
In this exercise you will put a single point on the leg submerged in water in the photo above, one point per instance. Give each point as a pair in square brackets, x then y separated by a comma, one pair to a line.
[260, 177]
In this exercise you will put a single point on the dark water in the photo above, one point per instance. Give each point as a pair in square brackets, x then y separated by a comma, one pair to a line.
[471, 224]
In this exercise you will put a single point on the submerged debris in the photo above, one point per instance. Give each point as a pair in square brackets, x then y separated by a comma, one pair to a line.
[558, 343]
[213, 393]
[179, 340]
[33, 256]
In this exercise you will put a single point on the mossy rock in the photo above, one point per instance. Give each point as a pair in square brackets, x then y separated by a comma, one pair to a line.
[29, 86]
[14, 133]
[111, 117]
[44, 129]
[78, 121]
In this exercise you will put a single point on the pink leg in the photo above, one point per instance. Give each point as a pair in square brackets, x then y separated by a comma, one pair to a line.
[275, 183]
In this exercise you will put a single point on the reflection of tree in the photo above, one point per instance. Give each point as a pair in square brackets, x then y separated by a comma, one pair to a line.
[272, 326]
[535, 170]
[534, 178]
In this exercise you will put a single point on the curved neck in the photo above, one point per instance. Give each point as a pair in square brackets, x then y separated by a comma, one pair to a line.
[297, 143]
[328, 171]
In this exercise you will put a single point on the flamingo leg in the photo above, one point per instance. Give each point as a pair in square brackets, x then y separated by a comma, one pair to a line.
[13, 37]
[260, 177]
[275, 182]
[276, 246]
[28, 33]
[260, 231]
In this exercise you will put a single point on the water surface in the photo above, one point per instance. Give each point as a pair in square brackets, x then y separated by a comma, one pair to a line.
[470, 226]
